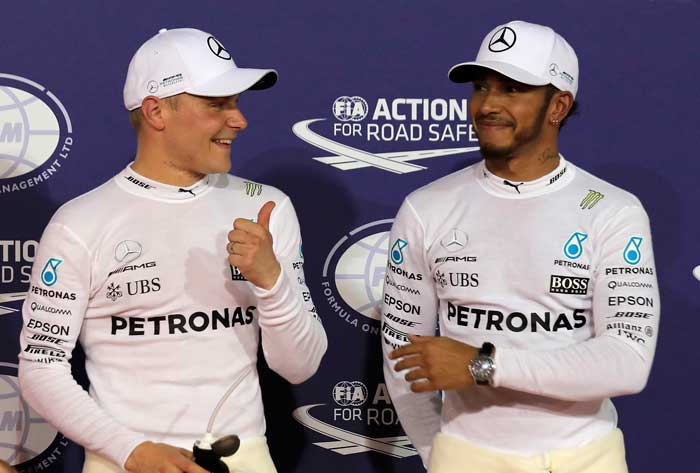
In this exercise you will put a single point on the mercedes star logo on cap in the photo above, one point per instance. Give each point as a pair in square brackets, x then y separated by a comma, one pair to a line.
[502, 40]
[218, 49]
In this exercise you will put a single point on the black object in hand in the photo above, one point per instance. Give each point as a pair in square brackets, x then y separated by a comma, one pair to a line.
[210, 458]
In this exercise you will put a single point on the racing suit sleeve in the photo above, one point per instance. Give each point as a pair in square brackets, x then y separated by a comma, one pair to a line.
[293, 338]
[625, 312]
[53, 314]
[409, 307]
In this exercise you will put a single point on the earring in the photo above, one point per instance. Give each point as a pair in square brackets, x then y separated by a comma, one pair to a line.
[555, 122]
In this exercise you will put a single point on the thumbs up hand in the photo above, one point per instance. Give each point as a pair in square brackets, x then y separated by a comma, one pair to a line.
[250, 249]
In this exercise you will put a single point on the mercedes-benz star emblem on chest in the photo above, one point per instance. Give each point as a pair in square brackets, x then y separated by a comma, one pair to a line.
[455, 240]
[127, 251]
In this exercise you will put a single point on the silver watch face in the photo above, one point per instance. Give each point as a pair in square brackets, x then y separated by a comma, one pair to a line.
[482, 368]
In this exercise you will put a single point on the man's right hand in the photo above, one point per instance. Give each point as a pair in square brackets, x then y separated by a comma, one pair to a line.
[149, 457]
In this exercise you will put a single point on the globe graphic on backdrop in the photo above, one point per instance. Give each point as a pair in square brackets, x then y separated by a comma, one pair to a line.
[23, 433]
[350, 108]
[350, 393]
[359, 274]
[29, 132]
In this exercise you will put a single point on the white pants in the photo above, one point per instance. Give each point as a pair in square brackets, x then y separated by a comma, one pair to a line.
[253, 456]
[604, 455]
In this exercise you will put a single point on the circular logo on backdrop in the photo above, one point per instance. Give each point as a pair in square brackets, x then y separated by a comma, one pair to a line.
[350, 393]
[354, 273]
[25, 438]
[35, 134]
[361, 419]
[350, 109]
[502, 40]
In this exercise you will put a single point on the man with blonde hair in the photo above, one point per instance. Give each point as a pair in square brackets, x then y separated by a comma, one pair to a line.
[171, 274]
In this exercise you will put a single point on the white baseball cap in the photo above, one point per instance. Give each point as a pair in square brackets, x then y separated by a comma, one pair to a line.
[525, 52]
[188, 60]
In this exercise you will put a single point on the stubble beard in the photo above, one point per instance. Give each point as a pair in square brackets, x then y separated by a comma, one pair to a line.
[521, 138]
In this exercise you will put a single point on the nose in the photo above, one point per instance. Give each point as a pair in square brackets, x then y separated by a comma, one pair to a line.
[489, 103]
[236, 120]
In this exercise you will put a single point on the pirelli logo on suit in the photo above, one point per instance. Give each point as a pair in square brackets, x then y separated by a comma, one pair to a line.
[394, 333]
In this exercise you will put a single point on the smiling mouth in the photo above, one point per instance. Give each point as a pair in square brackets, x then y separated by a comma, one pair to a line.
[222, 141]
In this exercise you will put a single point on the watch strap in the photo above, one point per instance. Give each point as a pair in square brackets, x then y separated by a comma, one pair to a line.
[487, 349]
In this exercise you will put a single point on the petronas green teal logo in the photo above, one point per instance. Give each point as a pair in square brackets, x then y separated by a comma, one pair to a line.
[632, 252]
[49, 275]
[397, 251]
[573, 248]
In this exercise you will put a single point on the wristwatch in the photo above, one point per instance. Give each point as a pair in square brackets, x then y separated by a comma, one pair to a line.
[483, 367]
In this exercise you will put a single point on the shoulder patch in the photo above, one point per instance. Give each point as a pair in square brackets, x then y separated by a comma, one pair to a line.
[253, 189]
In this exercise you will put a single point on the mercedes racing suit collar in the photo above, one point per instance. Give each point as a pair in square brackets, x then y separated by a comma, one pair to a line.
[135, 183]
[558, 178]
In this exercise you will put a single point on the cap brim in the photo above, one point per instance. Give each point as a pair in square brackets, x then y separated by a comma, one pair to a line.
[235, 81]
[468, 71]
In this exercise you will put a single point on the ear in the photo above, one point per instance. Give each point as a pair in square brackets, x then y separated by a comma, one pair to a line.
[559, 106]
[154, 113]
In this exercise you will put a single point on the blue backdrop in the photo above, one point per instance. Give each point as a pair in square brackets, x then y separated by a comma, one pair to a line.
[638, 103]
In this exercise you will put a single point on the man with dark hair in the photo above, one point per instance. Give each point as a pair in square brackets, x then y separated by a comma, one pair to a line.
[171, 274]
[540, 276]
